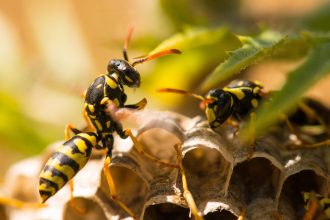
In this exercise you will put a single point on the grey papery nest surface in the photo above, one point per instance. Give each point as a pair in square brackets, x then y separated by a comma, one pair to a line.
[222, 180]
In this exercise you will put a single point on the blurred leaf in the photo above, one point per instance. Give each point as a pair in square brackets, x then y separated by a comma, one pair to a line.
[317, 37]
[195, 12]
[195, 37]
[318, 20]
[253, 50]
[296, 46]
[20, 132]
[316, 66]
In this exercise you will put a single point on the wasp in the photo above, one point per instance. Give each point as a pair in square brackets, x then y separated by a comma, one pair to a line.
[236, 99]
[239, 99]
[106, 90]
[109, 89]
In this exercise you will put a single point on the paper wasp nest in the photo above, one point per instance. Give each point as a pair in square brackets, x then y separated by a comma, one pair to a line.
[222, 180]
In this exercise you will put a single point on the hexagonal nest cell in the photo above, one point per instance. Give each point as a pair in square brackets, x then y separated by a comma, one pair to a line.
[223, 180]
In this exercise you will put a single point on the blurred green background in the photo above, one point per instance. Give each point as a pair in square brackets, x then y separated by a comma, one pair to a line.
[50, 51]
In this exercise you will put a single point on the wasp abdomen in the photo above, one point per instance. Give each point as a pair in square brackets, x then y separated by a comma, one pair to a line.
[65, 163]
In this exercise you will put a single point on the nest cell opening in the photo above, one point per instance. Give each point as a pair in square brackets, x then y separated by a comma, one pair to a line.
[295, 185]
[166, 211]
[160, 143]
[91, 208]
[220, 215]
[206, 171]
[131, 188]
[258, 176]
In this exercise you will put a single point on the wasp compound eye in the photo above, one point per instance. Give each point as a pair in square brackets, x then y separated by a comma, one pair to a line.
[114, 65]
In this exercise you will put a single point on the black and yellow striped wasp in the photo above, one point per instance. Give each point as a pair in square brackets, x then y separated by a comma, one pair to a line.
[240, 98]
[106, 90]
[236, 99]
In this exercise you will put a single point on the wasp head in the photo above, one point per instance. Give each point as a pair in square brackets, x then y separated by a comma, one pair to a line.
[219, 107]
[128, 75]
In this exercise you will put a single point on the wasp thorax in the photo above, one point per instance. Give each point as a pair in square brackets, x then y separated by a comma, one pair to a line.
[128, 75]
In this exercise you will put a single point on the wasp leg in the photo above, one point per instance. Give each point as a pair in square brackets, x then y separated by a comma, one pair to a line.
[186, 193]
[288, 124]
[325, 143]
[90, 126]
[126, 113]
[72, 200]
[112, 187]
[312, 114]
[119, 130]
[299, 143]
[138, 106]
[108, 143]
[319, 144]
[21, 204]
[242, 214]
[232, 123]
[312, 208]
[293, 134]
[139, 148]
[68, 128]
[251, 135]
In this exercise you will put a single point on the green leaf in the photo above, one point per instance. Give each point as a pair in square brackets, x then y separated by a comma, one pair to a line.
[196, 12]
[194, 38]
[316, 66]
[318, 20]
[297, 45]
[21, 133]
[317, 37]
[253, 50]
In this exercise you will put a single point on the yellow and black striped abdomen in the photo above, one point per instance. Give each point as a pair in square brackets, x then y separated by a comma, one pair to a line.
[65, 163]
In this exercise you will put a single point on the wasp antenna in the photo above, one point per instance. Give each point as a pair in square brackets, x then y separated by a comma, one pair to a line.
[183, 92]
[127, 40]
[139, 57]
[156, 55]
